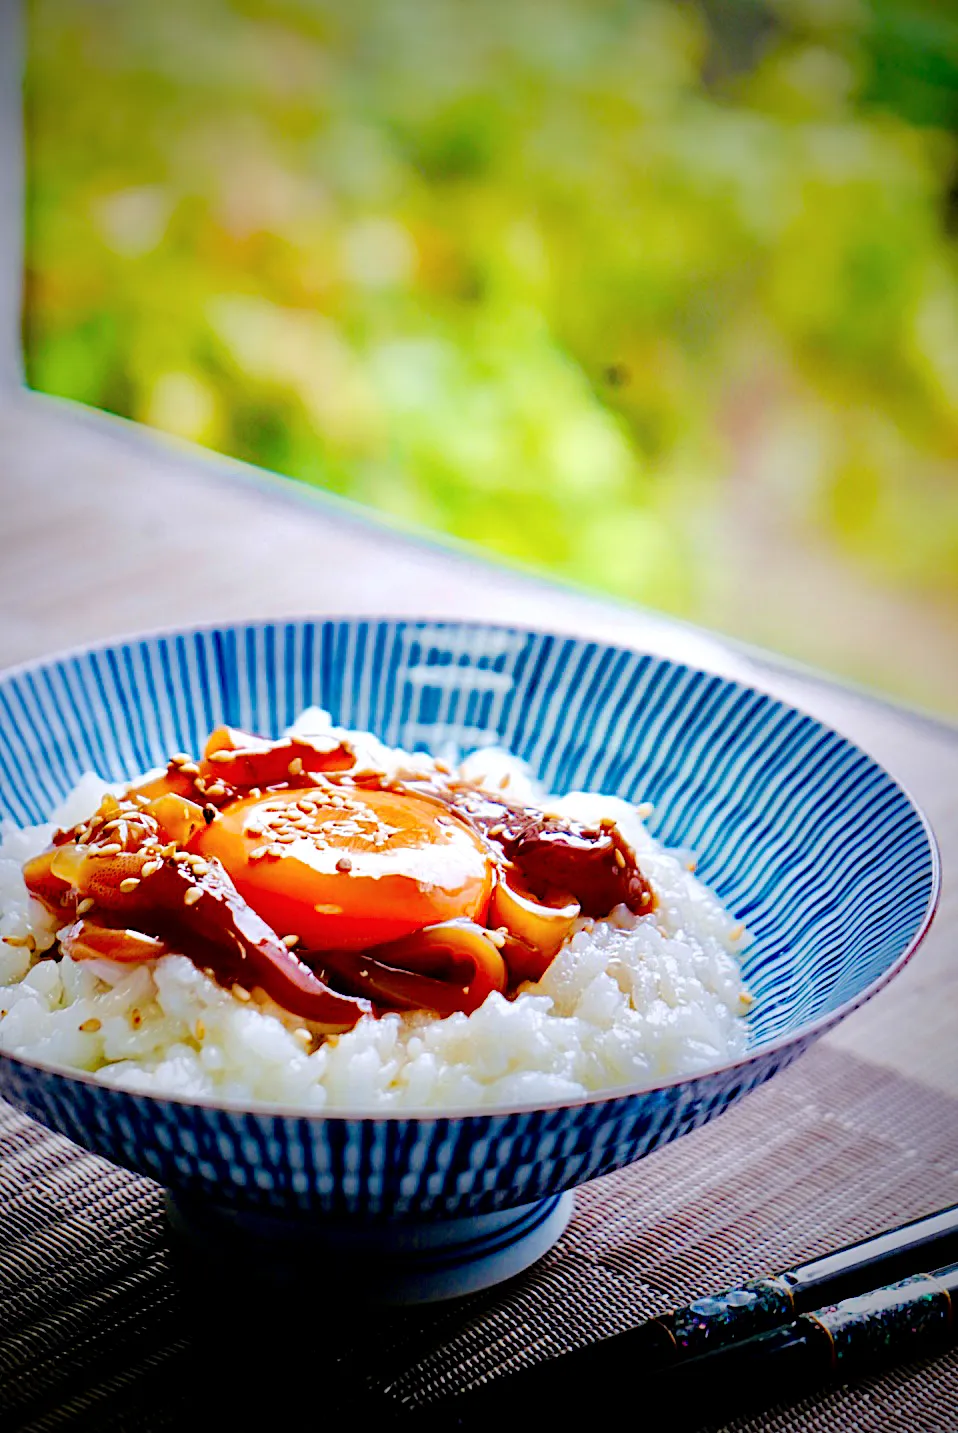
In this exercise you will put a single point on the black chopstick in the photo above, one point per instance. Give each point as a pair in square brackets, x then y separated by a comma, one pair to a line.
[667, 1346]
[910, 1319]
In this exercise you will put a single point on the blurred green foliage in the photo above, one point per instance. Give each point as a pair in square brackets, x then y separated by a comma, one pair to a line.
[639, 293]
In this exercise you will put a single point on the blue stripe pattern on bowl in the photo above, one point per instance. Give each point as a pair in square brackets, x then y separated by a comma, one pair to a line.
[804, 836]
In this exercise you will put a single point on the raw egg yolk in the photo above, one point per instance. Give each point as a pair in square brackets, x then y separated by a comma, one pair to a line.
[351, 868]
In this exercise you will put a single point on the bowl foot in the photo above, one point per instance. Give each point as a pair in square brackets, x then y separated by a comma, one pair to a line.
[397, 1261]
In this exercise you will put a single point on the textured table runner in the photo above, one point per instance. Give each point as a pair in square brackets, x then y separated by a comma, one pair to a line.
[102, 1327]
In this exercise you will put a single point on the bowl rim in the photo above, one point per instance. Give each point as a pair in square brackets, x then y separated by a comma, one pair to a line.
[803, 1036]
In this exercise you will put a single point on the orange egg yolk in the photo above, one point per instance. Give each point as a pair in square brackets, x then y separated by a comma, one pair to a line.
[352, 868]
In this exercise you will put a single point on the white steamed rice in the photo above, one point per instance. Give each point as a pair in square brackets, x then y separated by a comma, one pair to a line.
[628, 1000]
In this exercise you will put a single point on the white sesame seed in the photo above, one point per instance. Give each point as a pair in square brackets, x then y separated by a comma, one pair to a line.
[190, 768]
[295, 767]
[85, 905]
[619, 859]
[258, 852]
[151, 868]
[219, 756]
[110, 849]
[291, 940]
[191, 896]
[130, 884]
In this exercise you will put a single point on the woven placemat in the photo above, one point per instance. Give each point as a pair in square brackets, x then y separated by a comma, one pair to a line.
[102, 1327]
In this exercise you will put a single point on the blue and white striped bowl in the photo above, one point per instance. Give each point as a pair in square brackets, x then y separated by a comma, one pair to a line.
[805, 837]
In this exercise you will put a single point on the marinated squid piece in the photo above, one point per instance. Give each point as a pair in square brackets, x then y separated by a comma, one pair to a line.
[444, 968]
[236, 762]
[88, 940]
[243, 761]
[191, 906]
[535, 930]
[594, 865]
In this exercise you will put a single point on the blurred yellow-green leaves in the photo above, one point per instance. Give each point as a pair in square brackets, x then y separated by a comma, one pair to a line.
[658, 297]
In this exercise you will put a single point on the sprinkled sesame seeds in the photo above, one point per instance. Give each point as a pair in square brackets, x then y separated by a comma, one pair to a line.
[217, 789]
[258, 852]
[221, 756]
[129, 885]
[295, 767]
[151, 868]
[110, 849]
[619, 859]
[85, 905]
[241, 993]
[190, 768]
[90, 1027]
[191, 896]
[290, 940]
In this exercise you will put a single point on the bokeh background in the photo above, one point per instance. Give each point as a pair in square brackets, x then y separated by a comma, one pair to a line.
[659, 298]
